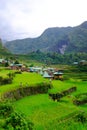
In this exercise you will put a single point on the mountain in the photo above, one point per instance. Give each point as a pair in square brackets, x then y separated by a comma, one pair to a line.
[58, 39]
[3, 50]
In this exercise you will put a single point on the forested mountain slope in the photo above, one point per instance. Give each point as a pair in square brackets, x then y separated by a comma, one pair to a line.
[61, 40]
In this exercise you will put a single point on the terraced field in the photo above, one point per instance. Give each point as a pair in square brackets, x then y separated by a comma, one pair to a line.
[45, 113]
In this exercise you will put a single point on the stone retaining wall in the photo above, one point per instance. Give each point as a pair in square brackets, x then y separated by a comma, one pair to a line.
[58, 96]
[27, 91]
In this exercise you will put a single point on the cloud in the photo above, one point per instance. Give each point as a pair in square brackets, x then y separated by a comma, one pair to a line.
[29, 18]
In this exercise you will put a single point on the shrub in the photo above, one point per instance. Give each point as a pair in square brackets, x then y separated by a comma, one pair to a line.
[7, 80]
[5, 109]
[81, 117]
[11, 119]
[11, 75]
[18, 122]
[1, 80]
[80, 99]
[18, 72]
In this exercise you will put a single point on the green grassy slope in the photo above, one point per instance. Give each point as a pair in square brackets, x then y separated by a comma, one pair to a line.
[24, 78]
[44, 112]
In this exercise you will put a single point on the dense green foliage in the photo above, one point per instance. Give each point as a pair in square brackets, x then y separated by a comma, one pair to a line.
[46, 58]
[11, 119]
[4, 81]
[55, 58]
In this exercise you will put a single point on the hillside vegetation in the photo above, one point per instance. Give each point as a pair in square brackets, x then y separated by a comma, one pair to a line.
[52, 58]
[61, 40]
[3, 50]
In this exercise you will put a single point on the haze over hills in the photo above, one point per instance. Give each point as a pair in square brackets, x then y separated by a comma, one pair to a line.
[61, 40]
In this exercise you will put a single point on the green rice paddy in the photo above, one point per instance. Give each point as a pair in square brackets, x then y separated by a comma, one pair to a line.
[40, 109]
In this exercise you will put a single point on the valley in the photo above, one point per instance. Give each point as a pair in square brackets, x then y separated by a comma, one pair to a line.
[43, 81]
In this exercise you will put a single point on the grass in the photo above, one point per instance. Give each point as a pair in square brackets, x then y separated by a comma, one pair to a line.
[30, 78]
[24, 79]
[4, 72]
[44, 112]
[61, 85]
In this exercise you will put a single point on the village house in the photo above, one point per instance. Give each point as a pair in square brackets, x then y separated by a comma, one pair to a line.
[3, 61]
[58, 75]
[35, 69]
[47, 75]
[16, 66]
[83, 62]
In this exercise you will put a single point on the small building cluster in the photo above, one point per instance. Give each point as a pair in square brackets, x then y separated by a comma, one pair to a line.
[50, 73]
[20, 67]
[82, 62]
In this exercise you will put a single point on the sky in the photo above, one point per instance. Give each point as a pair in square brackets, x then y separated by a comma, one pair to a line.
[29, 18]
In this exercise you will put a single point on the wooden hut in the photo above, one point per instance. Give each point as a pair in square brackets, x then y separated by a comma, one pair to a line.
[58, 75]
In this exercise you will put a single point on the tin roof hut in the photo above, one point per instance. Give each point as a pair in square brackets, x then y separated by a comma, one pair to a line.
[46, 75]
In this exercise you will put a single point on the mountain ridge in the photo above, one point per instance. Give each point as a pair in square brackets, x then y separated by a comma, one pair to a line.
[57, 39]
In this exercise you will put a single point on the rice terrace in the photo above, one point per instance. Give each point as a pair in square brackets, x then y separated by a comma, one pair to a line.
[43, 98]
[43, 79]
